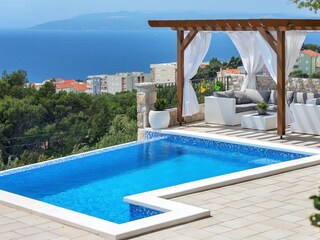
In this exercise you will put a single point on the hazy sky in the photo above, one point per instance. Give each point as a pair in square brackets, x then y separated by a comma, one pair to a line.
[26, 13]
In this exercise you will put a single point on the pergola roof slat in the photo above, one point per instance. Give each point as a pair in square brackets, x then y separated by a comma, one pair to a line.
[239, 24]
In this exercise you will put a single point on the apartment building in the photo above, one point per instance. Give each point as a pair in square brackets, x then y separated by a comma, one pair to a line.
[308, 62]
[164, 72]
[119, 82]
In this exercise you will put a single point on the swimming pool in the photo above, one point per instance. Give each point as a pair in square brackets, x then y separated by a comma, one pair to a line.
[96, 183]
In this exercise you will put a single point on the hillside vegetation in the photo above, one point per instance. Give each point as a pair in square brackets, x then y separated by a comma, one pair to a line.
[37, 125]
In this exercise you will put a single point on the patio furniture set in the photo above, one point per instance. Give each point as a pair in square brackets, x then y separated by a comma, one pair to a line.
[240, 107]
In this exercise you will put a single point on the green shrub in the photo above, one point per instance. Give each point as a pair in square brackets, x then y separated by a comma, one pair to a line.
[160, 104]
[263, 105]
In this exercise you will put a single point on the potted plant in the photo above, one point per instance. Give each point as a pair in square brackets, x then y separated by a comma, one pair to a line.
[262, 108]
[159, 117]
[315, 218]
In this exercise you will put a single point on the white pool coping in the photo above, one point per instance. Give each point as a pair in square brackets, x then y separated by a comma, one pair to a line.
[174, 212]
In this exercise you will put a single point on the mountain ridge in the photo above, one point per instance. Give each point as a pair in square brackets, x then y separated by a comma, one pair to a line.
[138, 20]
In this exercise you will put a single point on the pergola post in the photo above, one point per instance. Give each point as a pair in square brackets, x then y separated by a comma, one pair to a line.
[182, 44]
[281, 82]
[180, 74]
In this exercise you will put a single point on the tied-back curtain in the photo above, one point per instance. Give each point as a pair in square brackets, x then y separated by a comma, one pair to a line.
[248, 47]
[193, 57]
[294, 41]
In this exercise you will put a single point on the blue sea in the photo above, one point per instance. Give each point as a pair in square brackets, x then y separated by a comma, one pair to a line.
[77, 54]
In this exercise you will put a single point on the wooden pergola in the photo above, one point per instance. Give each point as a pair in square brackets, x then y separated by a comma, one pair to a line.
[264, 26]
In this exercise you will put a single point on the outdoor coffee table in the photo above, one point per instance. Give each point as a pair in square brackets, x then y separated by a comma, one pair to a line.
[260, 122]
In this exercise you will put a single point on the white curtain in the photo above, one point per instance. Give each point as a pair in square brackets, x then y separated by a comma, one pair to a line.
[247, 45]
[294, 41]
[193, 57]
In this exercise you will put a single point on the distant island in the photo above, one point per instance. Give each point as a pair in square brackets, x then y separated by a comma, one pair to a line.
[125, 20]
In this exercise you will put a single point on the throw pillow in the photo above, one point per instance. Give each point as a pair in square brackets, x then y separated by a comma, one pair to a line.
[254, 95]
[265, 94]
[273, 97]
[241, 97]
[300, 97]
[226, 94]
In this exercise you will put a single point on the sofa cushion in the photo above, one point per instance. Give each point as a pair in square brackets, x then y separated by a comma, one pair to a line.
[272, 108]
[273, 97]
[225, 94]
[245, 107]
[300, 97]
[313, 101]
[311, 95]
[241, 97]
[289, 97]
[257, 96]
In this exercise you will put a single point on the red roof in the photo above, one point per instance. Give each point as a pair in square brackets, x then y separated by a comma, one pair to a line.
[232, 70]
[80, 87]
[311, 53]
[70, 81]
[63, 85]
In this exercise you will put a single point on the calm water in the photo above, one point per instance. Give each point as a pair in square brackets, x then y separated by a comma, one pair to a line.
[96, 184]
[77, 54]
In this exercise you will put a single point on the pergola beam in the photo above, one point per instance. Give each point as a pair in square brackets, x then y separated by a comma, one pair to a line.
[239, 25]
[188, 39]
[269, 38]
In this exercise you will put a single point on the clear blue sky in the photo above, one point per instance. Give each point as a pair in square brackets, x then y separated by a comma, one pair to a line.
[26, 13]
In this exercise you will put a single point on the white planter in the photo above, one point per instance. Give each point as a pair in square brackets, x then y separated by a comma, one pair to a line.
[159, 119]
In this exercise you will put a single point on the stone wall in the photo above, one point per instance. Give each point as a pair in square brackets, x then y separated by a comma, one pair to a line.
[292, 84]
[146, 97]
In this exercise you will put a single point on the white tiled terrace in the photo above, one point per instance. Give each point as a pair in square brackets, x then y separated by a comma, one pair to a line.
[275, 207]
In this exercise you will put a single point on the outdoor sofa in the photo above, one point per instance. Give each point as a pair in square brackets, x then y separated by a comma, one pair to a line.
[227, 107]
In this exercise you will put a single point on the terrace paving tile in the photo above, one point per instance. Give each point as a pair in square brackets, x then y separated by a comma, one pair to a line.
[277, 233]
[40, 236]
[240, 233]
[257, 217]
[10, 235]
[12, 226]
[32, 220]
[5, 220]
[28, 231]
[70, 232]
[15, 214]
[194, 233]
[218, 229]
[88, 237]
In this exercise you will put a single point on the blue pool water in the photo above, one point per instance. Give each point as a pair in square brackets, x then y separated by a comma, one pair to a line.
[95, 184]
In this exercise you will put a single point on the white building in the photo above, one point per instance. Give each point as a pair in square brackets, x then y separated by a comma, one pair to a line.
[119, 82]
[164, 72]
